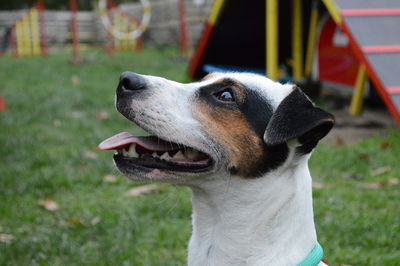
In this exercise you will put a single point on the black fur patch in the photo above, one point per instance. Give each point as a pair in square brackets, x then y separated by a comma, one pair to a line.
[258, 113]
[297, 118]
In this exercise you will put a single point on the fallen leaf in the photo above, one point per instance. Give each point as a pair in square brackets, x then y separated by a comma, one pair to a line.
[6, 238]
[363, 156]
[76, 114]
[317, 185]
[90, 155]
[374, 185]
[40, 137]
[380, 170]
[340, 141]
[393, 181]
[84, 166]
[385, 145]
[74, 222]
[141, 190]
[57, 123]
[75, 80]
[102, 115]
[95, 220]
[110, 179]
[48, 204]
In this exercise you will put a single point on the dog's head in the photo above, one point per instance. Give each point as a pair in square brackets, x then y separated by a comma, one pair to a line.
[236, 124]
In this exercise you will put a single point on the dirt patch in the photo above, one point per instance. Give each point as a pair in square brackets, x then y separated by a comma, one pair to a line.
[352, 129]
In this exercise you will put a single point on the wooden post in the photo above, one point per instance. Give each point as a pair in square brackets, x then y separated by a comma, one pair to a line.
[311, 39]
[358, 94]
[272, 38]
[35, 31]
[297, 39]
[183, 38]
[42, 29]
[76, 57]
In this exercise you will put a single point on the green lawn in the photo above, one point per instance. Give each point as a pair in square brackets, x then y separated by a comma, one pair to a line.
[56, 116]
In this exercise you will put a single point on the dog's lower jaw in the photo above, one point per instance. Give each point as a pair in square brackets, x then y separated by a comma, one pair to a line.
[264, 221]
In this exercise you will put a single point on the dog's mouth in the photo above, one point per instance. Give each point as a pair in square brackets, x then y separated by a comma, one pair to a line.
[151, 152]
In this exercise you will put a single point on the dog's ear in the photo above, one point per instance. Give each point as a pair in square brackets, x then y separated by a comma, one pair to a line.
[297, 118]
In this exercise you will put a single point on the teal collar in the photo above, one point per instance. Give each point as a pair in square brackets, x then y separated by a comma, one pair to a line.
[314, 257]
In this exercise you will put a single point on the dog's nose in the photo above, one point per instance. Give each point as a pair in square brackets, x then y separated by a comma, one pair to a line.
[130, 81]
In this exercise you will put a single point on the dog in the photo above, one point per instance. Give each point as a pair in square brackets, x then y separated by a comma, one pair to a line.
[241, 142]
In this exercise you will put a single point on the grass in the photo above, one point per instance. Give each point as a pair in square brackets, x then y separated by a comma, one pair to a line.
[48, 138]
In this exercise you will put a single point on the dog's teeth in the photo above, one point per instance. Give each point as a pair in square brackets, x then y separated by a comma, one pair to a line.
[125, 153]
[165, 156]
[132, 151]
[179, 155]
[154, 154]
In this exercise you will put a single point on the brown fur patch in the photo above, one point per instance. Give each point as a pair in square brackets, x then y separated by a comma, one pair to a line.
[230, 129]
[209, 75]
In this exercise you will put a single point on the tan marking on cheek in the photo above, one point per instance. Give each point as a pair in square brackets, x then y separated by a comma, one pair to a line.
[209, 75]
[230, 129]
[240, 93]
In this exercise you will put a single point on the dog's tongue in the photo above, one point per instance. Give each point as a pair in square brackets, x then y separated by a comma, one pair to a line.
[149, 142]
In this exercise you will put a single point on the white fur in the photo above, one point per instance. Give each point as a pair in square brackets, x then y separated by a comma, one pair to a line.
[264, 221]
[236, 221]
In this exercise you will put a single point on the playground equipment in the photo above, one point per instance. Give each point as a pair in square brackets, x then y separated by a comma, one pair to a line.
[183, 34]
[372, 29]
[336, 41]
[123, 23]
[114, 31]
[123, 31]
[76, 56]
[27, 36]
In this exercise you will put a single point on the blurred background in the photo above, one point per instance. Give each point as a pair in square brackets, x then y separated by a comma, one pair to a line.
[62, 202]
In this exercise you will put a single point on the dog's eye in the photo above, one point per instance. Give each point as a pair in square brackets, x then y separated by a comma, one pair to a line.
[225, 96]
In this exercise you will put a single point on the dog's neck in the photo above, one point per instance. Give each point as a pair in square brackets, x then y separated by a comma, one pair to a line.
[263, 221]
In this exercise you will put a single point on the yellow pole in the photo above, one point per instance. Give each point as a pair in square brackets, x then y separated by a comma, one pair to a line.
[333, 11]
[26, 36]
[311, 39]
[132, 42]
[35, 32]
[272, 38]
[216, 11]
[19, 41]
[357, 98]
[125, 28]
[297, 40]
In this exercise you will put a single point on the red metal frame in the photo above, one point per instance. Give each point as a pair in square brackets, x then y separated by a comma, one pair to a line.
[195, 61]
[336, 63]
[183, 34]
[12, 41]
[371, 73]
[370, 12]
[42, 25]
[393, 90]
[76, 57]
[381, 49]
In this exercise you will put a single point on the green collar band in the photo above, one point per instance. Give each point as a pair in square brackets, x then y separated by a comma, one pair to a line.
[314, 257]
